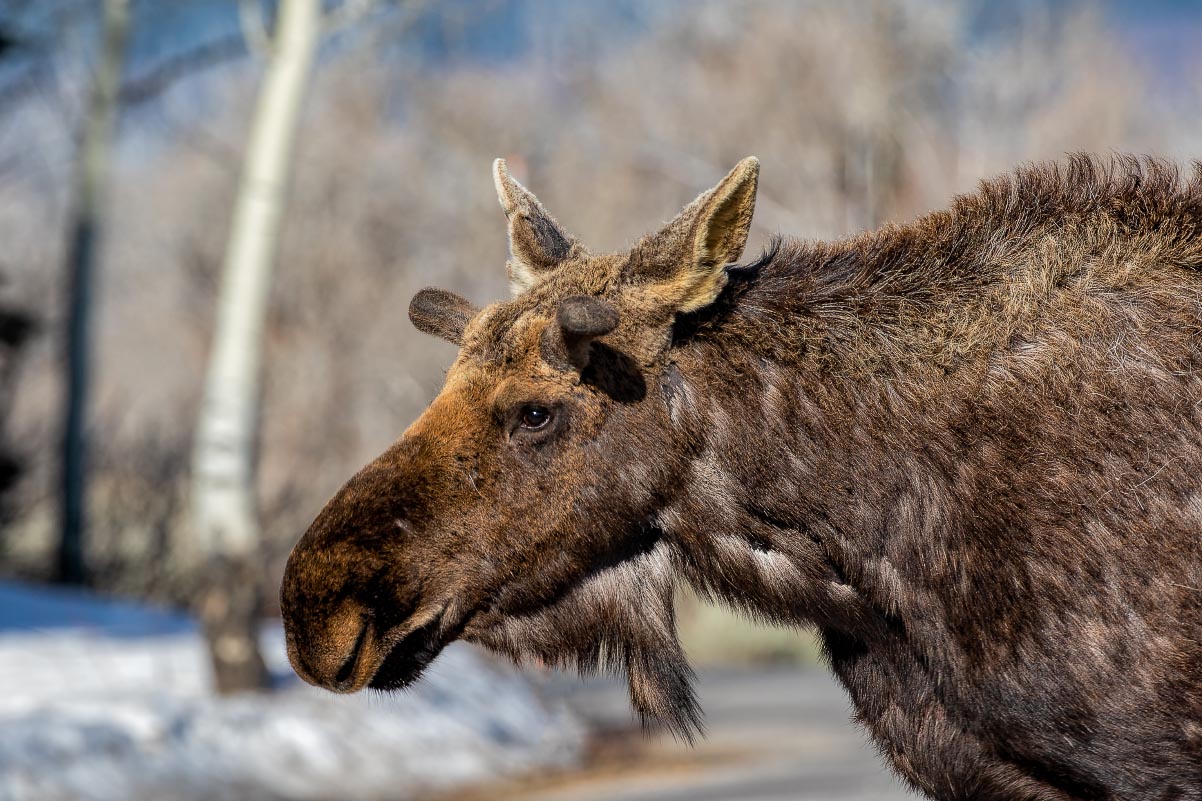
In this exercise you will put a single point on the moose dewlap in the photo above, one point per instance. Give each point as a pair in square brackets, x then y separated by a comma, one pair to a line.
[967, 449]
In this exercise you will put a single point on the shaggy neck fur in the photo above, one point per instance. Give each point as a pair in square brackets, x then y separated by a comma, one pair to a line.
[925, 440]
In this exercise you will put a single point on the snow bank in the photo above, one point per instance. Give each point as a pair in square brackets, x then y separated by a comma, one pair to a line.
[102, 701]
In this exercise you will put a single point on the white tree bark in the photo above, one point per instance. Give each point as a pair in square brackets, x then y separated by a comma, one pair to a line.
[225, 523]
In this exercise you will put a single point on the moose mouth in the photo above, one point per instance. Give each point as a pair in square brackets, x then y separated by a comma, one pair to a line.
[408, 658]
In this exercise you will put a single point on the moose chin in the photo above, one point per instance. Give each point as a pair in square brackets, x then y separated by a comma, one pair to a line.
[967, 449]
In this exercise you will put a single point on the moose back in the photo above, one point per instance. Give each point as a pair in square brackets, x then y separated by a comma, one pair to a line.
[967, 449]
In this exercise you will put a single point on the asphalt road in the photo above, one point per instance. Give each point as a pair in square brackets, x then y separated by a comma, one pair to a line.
[772, 735]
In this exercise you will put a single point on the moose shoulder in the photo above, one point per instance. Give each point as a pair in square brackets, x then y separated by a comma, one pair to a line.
[967, 449]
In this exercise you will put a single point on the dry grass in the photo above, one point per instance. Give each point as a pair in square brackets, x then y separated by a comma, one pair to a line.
[716, 635]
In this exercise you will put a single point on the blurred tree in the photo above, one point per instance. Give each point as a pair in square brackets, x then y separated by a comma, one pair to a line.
[224, 505]
[16, 325]
[83, 234]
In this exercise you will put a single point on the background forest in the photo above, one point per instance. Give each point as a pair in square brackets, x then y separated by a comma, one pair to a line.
[615, 113]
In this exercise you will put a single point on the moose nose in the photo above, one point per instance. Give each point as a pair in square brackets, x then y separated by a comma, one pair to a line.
[337, 653]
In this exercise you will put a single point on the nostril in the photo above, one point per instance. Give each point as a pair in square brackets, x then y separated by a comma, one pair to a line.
[344, 674]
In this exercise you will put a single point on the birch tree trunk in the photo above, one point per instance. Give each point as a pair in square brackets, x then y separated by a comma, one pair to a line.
[225, 521]
[95, 152]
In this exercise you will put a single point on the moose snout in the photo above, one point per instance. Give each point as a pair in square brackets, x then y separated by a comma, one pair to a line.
[339, 641]
[335, 602]
[357, 610]
[337, 652]
[330, 632]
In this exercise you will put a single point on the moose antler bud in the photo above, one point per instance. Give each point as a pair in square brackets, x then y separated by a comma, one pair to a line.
[580, 319]
[586, 316]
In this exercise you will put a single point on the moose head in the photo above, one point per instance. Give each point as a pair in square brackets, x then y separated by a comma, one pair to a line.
[521, 510]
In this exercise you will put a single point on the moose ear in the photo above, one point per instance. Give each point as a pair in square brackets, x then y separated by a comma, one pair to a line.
[441, 313]
[685, 262]
[578, 321]
[537, 245]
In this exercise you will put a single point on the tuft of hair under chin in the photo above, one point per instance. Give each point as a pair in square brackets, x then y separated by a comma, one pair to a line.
[620, 620]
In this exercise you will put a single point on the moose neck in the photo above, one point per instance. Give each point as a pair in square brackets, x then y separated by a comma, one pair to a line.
[812, 426]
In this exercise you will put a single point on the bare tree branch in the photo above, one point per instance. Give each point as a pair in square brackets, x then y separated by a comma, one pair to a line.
[148, 87]
[26, 83]
[198, 138]
[399, 23]
[254, 28]
[345, 15]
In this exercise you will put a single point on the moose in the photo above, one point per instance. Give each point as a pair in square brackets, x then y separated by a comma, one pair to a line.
[966, 449]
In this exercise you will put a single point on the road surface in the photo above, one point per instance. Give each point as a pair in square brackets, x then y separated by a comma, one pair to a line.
[772, 735]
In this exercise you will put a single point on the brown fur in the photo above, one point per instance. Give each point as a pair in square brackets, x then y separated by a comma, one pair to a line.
[968, 449]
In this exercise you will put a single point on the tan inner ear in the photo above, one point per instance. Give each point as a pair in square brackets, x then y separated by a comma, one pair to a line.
[537, 243]
[721, 242]
[720, 235]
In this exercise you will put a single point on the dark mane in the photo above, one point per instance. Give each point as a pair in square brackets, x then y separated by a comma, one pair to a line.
[949, 263]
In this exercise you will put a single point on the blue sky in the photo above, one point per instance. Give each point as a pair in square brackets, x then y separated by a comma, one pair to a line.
[499, 31]
[1163, 34]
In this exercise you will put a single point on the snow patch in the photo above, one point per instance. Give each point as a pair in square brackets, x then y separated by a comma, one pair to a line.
[91, 710]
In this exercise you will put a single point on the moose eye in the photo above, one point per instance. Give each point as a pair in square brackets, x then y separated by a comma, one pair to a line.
[534, 417]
